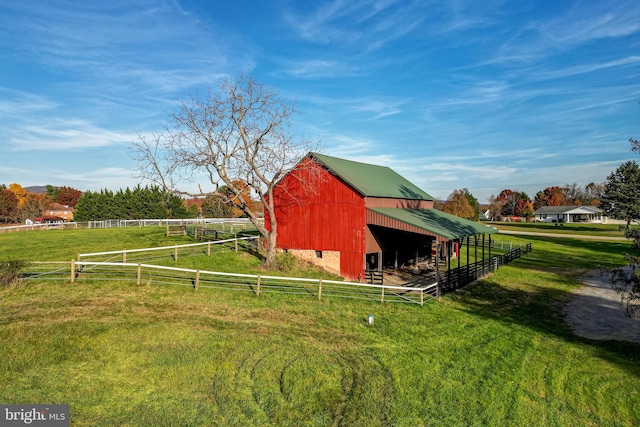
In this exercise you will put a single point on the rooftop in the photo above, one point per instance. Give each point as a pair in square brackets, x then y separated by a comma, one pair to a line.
[371, 180]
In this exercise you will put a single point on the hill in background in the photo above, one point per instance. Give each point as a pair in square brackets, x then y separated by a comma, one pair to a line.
[37, 189]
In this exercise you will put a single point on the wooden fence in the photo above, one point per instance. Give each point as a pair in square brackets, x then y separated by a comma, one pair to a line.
[173, 251]
[150, 274]
[231, 224]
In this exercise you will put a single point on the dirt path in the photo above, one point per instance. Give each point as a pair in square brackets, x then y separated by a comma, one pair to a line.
[595, 312]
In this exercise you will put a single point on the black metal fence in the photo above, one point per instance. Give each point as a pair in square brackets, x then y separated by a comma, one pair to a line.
[459, 277]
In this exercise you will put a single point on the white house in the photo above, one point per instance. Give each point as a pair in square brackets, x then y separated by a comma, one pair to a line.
[569, 214]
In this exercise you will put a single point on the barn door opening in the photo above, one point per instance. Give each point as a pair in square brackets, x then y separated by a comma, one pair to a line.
[373, 261]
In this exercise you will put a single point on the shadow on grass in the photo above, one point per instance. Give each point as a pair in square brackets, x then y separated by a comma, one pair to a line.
[543, 309]
[574, 253]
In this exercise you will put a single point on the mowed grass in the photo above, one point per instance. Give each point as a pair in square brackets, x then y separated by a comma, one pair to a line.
[497, 353]
[604, 230]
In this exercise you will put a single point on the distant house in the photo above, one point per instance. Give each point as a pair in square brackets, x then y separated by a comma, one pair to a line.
[485, 214]
[568, 214]
[59, 212]
[352, 218]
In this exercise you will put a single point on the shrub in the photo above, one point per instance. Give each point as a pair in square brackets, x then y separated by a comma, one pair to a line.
[10, 271]
[286, 262]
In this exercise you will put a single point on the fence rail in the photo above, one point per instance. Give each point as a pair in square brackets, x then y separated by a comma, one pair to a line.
[459, 277]
[174, 251]
[128, 264]
[233, 224]
[87, 271]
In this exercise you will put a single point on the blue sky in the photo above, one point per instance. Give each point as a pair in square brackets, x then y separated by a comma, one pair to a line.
[451, 94]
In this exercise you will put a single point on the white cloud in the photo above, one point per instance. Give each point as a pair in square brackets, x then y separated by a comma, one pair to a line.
[59, 134]
[135, 45]
[366, 24]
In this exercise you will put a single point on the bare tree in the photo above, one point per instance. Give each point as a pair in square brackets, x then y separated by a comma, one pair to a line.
[237, 134]
[495, 207]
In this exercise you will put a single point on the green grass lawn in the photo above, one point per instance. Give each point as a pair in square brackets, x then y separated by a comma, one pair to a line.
[497, 353]
[604, 230]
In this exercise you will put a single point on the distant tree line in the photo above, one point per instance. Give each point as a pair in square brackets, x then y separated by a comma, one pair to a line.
[17, 204]
[66, 196]
[518, 203]
[139, 203]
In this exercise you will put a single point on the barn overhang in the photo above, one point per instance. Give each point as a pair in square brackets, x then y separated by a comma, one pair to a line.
[431, 222]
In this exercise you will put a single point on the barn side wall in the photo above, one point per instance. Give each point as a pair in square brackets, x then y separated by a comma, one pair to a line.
[381, 202]
[316, 211]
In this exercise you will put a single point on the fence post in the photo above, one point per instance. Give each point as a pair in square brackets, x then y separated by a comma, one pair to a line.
[209, 249]
[139, 277]
[320, 289]
[235, 236]
[382, 296]
[175, 254]
[73, 270]
[258, 288]
[421, 297]
[197, 280]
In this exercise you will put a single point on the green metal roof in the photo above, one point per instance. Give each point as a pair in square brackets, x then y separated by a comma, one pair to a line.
[371, 180]
[436, 222]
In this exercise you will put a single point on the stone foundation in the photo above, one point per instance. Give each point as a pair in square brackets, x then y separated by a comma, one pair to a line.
[327, 260]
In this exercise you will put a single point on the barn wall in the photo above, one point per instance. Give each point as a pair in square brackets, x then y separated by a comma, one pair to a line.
[380, 202]
[317, 211]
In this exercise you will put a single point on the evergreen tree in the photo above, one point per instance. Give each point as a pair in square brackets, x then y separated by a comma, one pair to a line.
[139, 203]
[473, 202]
[621, 198]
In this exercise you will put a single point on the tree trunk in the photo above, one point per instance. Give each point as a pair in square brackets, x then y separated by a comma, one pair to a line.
[270, 240]
[271, 236]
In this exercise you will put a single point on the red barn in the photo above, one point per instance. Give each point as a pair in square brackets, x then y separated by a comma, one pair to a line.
[350, 217]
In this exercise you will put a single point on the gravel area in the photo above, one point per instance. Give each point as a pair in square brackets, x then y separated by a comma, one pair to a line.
[595, 312]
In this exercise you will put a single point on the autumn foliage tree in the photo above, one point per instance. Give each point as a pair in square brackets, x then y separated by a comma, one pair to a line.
[524, 207]
[30, 205]
[514, 203]
[8, 206]
[68, 196]
[458, 205]
[226, 204]
[33, 206]
[550, 196]
[19, 192]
